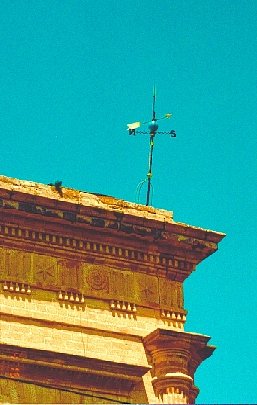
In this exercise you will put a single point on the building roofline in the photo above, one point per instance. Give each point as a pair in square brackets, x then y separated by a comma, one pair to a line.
[70, 199]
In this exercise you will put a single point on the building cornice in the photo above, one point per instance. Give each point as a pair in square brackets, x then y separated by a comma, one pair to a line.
[124, 223]
[63, 371]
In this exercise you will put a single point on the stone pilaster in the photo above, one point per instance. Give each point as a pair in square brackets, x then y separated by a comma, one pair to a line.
[175, 357]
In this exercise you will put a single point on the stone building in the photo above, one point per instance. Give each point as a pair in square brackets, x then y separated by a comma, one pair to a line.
[91, 299]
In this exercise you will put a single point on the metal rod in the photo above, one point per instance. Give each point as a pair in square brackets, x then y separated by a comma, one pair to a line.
[149, 174]
[154, 99]
[152, 130]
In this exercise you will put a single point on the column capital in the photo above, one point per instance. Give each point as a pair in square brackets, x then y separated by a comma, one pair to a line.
[175, 356]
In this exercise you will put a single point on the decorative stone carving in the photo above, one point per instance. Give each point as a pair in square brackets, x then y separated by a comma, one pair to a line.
[175, 356]
[171, 294]
[45, 270]
[122, 285]
[175, 389]
[69, 274]
[123, 306]
[15, 265]
[17, 288]
[143, 258]
[176, 318]
[98, 280]
[92, 280]
[70, 296]
[146, 290]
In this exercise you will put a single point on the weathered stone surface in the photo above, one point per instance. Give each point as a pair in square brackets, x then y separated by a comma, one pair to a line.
[91, 298]
[73, 196]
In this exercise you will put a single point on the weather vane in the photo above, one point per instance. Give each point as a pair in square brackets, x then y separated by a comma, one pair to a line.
[152, 131]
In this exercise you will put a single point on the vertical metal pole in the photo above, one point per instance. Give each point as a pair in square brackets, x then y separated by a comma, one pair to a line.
[149, 174]
[154, 99]
[152, 134]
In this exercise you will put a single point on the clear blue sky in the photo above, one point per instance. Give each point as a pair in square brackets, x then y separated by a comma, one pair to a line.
[73, 73]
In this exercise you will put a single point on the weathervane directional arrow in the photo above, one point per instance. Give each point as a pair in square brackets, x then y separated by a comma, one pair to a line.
[152, 131]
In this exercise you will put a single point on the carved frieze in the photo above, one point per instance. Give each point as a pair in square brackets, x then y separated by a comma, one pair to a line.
[15, 265]
[18, 268]
[171, 294]
[44, 269]
[97, 280]
[122, 285]
[146, 289]
[69, 274]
